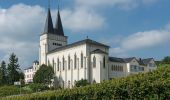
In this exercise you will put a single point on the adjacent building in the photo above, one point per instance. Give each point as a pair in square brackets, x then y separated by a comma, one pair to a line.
[30, 72]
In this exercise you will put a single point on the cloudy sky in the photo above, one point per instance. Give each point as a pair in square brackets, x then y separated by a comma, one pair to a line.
[139, 28]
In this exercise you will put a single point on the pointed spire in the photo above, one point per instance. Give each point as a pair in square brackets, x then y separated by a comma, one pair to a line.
[49, 24]
[58, 25]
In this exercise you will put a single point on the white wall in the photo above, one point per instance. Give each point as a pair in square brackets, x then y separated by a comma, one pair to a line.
[73, 74]
[47, 42]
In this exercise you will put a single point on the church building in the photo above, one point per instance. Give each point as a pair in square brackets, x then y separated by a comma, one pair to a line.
[85, 59]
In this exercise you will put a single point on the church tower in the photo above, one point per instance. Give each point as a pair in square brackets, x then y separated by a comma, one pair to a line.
[52, 38]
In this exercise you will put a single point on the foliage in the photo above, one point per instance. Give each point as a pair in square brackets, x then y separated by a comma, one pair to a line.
[11, 90]
[81, 82]
[44, 74]
[151, 85]
[38, 87]
[166, 60]
[3, 73]
[13, 69]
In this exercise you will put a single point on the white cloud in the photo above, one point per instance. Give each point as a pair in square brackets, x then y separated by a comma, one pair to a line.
[20, 28]
[142, 40]
[125, 4]
[21, 25]
[82, 20]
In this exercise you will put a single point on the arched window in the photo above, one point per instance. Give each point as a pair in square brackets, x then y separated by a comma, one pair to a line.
[58, 64]
[63, 62]
[112, 68]
[75, 61]
[69, 84]
[69, 62]
[104, 62]
[48, 63]
[94, 62]
[54, 68]
[53, 64]
[94, 81]
[81, 60]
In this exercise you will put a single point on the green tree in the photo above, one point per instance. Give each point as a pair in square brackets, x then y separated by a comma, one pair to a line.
[81, 82]
[166, 60]
[3, 73]
[13, 69]
[44, 74]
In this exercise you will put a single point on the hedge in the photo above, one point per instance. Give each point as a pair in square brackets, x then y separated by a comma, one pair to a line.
[151, 85]
[11, 90]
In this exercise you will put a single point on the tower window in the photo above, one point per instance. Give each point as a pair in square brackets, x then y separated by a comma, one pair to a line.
[57, 44]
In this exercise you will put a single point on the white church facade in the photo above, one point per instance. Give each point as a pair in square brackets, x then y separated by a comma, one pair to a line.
[85, 59]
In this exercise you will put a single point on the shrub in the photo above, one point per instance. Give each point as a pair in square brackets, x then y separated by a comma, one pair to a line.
[81, 82]
[152, 85]
[38, 87]
[11, 90]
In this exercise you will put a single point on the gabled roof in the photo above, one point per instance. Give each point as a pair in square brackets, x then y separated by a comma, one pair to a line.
[36, 61]
[115, 59]
[86, 41]
[129, 59]
[98, 51]
[29, 68]
[58, 26]
[48, 24]
[140, 61]
[147, 61]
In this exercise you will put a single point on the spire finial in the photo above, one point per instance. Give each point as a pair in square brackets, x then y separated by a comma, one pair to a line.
[58, 5]
[49, 4]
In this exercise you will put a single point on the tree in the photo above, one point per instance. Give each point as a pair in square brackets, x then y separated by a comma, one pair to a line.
[13, 69]
[81, 82]
[166, 60]
[3, 73]
[44, 74]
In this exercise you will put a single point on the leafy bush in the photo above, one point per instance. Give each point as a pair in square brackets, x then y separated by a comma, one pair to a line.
[153, 85]
[38, 87]
[82, 82]
[11, 90]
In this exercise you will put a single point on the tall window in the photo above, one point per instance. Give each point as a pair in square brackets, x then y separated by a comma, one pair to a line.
[63, 62]
[81, 60]
[104, 62]
[55, 68]
[112, 68]
[48, 63]
[94, 62]
[58, 64]
[53, 64]
[69, 62]
[75, 61]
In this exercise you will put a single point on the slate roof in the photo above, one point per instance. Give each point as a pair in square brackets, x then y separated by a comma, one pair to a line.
[115, 59]
[29, 68]
[86, 41]
[48, 24]
[129, 59]
[98, 51]
[146, 61]
[58, 26]
[140, 61]
[36, 61]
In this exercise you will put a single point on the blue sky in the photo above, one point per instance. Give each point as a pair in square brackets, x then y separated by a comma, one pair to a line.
[139, 28]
